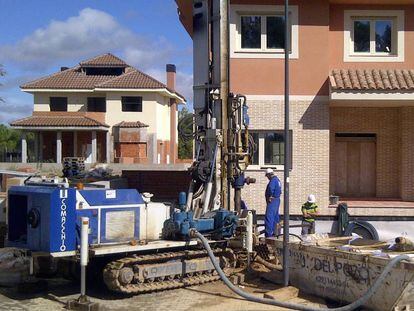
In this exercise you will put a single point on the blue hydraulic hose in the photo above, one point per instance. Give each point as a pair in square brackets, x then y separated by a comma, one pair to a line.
[356, 304]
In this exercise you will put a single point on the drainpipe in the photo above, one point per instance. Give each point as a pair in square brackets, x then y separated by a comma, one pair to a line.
[287, 155]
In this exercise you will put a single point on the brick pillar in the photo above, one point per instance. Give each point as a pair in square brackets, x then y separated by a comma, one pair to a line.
[109, 147]
[94, 147]
[24, 148]
[173, 150]
[59, 147]
[407, 153]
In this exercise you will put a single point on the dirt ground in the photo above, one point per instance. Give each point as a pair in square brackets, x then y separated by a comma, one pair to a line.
[211, 296]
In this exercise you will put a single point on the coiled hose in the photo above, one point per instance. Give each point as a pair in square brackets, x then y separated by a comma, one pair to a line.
[295, 306]
[185, 128]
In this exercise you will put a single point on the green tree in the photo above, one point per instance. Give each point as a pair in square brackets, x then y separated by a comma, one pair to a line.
[185, 137]
[10, 141]
[9, 138]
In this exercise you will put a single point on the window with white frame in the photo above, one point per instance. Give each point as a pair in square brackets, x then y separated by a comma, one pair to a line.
[259, 31]
[262, 33]
[270, 148]
[374, 36]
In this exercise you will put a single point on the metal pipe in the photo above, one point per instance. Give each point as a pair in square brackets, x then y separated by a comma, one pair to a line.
[209, 187]
[249, 236]
[287, 155]
[190, 196]
[295, 306]
[207, 197]
[84, 253]
[224, 95]
[237, 200]
[249, 227]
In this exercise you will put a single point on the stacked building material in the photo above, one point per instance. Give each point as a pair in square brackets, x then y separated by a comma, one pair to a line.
[73, 166]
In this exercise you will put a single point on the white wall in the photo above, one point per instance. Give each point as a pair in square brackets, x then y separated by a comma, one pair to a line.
[155, 109]
[163, 118]
[114, 113]
[76, 101]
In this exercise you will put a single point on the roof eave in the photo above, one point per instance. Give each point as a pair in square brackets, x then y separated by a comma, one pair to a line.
[54, 128]
[371, 95]
[57, 90]
[185, 14]
[163, 91]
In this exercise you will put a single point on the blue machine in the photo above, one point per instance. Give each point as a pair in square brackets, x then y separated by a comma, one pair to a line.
[219, 224]
[47, 219]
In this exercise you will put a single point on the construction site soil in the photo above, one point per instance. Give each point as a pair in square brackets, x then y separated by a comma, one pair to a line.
[211, 296]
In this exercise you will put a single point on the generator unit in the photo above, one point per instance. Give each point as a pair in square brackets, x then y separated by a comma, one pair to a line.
[217, 224]
[47, 219]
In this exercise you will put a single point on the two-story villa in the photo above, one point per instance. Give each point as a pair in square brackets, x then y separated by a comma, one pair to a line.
[103, 110]
[352, 97]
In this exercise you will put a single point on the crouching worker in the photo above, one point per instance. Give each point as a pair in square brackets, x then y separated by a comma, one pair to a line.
[309, 212]
[272, 195]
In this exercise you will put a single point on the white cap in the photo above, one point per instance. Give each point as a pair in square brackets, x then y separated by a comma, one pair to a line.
[269, 171]
[311, 198]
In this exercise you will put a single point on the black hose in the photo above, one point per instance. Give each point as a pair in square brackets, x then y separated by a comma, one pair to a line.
[366, 226]
[185, 128]
[343, 218]
[294, 306]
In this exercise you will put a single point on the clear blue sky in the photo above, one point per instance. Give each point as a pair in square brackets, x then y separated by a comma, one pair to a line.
[37, 37]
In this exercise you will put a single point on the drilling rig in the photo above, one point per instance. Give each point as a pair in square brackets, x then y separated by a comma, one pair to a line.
[223, 148]
[138, 248]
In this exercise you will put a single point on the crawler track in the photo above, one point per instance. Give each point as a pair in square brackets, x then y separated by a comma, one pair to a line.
[138, 285]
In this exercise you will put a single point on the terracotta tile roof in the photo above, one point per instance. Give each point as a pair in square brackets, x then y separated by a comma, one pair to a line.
[372, 79]
[58, 119]
[105, 60]
[73, 78]
[136, 124]
[76, 78]
[131, 80]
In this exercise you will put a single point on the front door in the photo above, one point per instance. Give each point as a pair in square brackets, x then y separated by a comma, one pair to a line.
[355, 165]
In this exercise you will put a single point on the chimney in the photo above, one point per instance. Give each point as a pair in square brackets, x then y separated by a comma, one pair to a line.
[171, 72]
[173, 150]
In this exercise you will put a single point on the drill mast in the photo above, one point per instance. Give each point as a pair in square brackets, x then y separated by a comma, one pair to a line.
[222, 144]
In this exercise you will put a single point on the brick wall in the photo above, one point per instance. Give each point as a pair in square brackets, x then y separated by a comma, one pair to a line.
[310, 162]
[134, 150]
[130, 134]
[101, 146]
[385, 123]
[165, 185]
[407, 153]
[67, 144]
[84, 138]
[49, 146]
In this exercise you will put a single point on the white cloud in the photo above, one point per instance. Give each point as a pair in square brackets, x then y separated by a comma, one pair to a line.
[144, 59]
[14, 81]
[185, 85]
[13, 109]
[90, 33]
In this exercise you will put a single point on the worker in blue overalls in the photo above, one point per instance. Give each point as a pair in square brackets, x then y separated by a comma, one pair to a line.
[273, 192]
